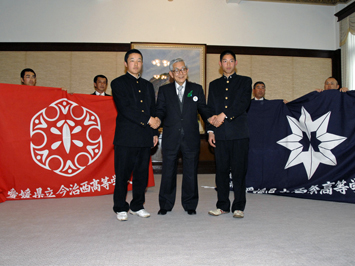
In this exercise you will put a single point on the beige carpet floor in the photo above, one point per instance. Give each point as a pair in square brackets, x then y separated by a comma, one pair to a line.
[84, 231]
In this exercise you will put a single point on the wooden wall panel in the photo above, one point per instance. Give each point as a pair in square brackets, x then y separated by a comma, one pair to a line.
[310, 74]
[120, 67]
[286, 77]
[244, 65]
[276, 73]
[86, 65]
[11, 64]
[52, 68]
[212, 69]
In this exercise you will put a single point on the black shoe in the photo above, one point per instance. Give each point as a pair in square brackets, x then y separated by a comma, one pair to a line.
[162, 212]
[191, 212]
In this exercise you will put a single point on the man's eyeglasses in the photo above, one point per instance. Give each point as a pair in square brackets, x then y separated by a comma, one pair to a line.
[183, 70]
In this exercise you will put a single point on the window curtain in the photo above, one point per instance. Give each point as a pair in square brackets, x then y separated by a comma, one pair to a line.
[347, 43]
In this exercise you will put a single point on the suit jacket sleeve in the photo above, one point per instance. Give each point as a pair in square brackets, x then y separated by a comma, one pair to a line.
[211, 105]
[153, 106]
[161, 105]
[202, 107]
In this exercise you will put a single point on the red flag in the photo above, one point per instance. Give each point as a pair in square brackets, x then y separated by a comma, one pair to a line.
[54, 144]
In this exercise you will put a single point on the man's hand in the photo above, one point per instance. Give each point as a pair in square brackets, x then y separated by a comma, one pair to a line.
[155, 141]
[344, 89]
[211, 139]
[212, 119]
[218, 121]
[154, 122]
[341, 89]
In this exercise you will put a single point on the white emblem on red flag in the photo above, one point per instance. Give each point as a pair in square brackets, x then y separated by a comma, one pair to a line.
[65, 137]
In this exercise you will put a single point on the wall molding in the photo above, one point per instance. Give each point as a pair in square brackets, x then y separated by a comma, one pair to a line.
[271, 51]
[123, 47]
[345, 12]
[63, 47]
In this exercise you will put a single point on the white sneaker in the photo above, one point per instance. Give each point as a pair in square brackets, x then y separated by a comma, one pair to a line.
[238, 214]
[141, 213]
[122, 216]
[217, 212]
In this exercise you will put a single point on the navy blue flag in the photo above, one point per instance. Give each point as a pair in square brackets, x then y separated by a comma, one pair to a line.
[305, 148]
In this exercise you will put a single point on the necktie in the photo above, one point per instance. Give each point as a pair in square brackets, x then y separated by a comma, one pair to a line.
[180, 93]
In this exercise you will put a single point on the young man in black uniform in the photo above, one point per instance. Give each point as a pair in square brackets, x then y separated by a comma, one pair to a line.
[229, 98]
[135, 135]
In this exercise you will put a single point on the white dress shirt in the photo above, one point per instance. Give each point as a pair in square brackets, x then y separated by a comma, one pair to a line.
[99, 94]
[183, 88]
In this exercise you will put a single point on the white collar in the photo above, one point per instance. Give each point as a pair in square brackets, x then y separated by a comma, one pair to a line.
[177, 85]
[99, 94]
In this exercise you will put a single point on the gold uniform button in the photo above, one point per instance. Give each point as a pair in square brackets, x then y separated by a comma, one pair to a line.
[227, 81]
[142, 111]
[226, 89]
[226, 98]
[137, 81]
[141, 101]
[139, 91]
[226, 106]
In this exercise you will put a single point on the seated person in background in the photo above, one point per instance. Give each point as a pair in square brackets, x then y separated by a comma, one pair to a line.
[332, 84]
[28, 77]
[100, 85]
[259, 91]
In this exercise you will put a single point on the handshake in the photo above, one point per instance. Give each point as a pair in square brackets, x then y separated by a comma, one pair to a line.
[217, 120]
[154, 122]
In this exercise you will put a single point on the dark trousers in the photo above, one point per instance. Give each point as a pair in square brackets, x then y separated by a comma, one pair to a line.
[231, 155]
[189, 190]
[128, 160]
